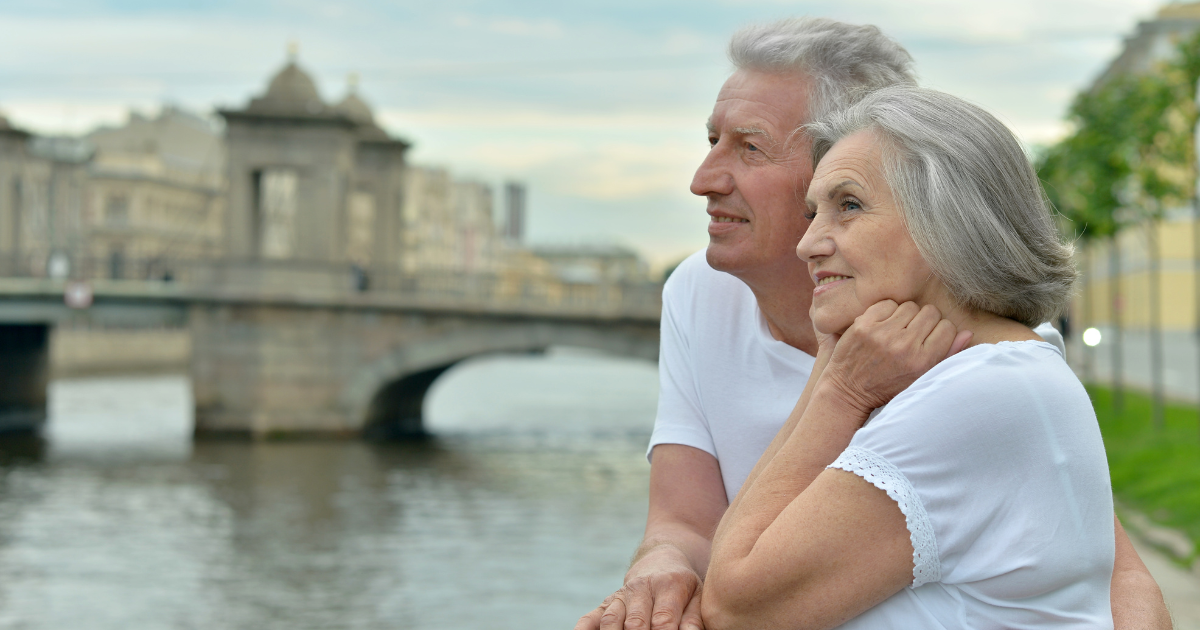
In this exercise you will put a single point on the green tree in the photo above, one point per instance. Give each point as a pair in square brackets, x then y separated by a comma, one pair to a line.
[1130, 156]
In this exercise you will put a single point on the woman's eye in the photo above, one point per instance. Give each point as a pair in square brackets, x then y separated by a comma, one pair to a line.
[850, 204]
[810, 214]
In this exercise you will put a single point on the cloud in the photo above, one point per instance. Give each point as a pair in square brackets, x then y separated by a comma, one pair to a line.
[541, 28]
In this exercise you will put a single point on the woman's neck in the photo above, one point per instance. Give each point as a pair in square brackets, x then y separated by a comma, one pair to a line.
[988, 327]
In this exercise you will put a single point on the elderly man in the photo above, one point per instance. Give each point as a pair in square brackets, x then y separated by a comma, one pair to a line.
[737, 342]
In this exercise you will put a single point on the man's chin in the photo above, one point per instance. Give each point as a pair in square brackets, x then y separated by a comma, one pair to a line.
[723, 258]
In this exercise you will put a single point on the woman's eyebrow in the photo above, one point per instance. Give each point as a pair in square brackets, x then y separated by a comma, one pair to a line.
[845, 183]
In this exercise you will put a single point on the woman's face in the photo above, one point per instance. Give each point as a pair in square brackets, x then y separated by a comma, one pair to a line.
[857, 248]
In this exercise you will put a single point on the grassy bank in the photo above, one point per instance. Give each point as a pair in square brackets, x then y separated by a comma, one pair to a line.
[1156, 472]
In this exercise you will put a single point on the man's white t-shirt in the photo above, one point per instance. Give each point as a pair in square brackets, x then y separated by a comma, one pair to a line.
[727, 386]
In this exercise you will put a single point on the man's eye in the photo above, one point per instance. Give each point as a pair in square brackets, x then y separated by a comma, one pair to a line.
[712, 141]
[751, 147]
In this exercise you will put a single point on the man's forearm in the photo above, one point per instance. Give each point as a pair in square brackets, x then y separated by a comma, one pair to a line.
[1137, 602]
[675, 543]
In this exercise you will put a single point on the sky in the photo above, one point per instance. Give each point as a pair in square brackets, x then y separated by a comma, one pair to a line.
[598, 107]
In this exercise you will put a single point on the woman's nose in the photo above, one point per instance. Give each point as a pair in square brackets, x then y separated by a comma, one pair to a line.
[815, 244]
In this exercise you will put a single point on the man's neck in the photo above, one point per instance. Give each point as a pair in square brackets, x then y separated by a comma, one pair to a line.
[784, 295]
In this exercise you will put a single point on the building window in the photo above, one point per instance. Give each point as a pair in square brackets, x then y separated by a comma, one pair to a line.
[277, 212]
[116, 210]
[116, 262]
[361, 229]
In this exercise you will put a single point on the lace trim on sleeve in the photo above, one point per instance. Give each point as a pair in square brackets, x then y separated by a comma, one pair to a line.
[883, 475]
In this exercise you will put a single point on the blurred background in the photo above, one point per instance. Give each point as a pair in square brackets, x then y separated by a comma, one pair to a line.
[344, 315]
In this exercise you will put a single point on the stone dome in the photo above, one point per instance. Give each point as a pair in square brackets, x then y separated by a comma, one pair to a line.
[357, 110]
[291, 91]
[292, 84]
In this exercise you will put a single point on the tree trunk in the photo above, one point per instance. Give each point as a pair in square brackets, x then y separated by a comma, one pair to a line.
[1156, 349]
[1114, 291]
[1089, 283]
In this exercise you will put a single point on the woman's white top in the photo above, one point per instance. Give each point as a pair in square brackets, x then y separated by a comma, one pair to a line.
[995, 458]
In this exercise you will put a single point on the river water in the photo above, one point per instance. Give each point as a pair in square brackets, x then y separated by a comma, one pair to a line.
[521, 513]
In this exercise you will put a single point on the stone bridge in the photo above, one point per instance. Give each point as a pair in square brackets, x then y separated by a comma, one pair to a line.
[327, 363]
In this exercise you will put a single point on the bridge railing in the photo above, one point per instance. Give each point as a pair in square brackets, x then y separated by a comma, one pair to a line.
[505, 289]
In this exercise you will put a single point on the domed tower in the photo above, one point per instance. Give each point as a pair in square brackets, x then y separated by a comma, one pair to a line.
[296, 166]
[374, 224]
[356, 109]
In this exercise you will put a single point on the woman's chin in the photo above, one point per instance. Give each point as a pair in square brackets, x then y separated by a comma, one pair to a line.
[830, 327]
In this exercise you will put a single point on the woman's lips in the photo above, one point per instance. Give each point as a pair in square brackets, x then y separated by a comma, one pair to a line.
[827, 283]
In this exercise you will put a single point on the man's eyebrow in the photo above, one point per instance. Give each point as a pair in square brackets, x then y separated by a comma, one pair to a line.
[753, 131]
[745, 131]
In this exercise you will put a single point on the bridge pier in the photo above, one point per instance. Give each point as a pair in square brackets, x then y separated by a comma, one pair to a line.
[25, 357]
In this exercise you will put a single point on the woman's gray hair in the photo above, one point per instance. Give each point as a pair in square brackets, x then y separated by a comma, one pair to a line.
[843, 60]
[969, 198]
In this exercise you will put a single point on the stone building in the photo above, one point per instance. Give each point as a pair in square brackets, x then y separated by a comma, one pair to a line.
[310, 182]
[448, 225]
[1154, 40]
[42, 185]
[156, 194]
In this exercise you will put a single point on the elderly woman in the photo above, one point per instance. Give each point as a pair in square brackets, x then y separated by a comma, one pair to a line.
[973, 493]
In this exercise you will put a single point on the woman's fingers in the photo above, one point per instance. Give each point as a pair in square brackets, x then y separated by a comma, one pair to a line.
[903, 314]
[961, 340]
[939, 340]
[879, 311]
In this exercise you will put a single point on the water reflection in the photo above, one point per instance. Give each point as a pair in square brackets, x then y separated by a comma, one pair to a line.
[485, 526]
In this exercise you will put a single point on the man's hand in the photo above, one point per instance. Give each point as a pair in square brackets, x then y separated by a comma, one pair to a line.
[888, 348]
[660, 593]
[662, 586]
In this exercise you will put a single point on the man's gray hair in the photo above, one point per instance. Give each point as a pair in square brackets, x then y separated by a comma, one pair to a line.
[968, 196]
[844, 61]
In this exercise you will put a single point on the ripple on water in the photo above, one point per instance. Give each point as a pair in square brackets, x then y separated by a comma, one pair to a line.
[522, 522]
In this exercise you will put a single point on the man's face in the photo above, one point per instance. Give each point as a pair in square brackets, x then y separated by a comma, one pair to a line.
[756, 173]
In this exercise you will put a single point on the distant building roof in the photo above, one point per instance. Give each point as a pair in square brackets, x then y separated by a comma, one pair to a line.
[1180, 11]
[62, 149]
[292, 96]
[356, 109]
[6, 129]
[1154, 40]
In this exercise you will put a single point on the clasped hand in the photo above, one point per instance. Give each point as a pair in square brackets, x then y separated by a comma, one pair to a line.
[887, 348]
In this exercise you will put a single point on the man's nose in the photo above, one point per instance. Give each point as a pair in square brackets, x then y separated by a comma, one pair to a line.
[713, 176]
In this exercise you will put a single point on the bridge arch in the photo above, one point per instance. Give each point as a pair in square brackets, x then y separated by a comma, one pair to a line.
[388, 395]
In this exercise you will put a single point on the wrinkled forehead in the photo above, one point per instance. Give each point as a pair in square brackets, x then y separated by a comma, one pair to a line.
[774, 103]
[857, 159]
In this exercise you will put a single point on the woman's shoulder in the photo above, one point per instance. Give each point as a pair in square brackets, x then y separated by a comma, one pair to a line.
[1017, 382]
[995, 368]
